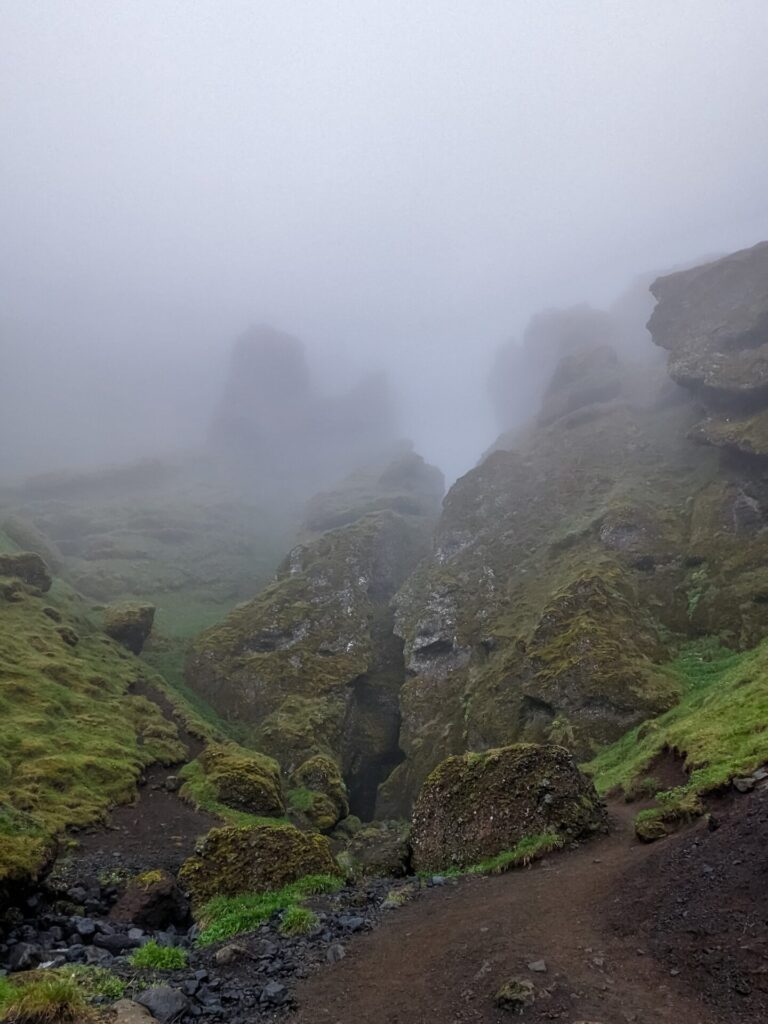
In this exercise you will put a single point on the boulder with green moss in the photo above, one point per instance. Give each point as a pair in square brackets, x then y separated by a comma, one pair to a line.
[474, 807]
[28, 567]
[318, 793]
[244, 780]
[129, 624]
[233, 860]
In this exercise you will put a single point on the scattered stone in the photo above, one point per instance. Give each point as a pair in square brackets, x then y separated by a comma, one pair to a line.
[166, 1004]
[152, 900]
[745, 784]
[335, 953]
[515, 995]
[539, 966]
[274, 994]
[24, 956]
[128, 1012]
[229, 954]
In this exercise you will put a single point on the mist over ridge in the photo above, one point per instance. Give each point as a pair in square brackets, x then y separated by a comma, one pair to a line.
[401, 188]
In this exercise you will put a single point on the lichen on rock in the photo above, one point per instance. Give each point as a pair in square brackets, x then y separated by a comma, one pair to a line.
[476, 806]
[244, 780]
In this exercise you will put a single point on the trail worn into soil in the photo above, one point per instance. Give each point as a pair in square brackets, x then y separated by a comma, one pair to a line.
[441, 959]
[158, 830]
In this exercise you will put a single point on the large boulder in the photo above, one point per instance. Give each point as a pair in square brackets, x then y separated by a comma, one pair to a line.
[381, 848]
[129, 624]
[153, 901]
[259, 858]
[479, 805]
[244, 780]
[28, 567]
[713, 320]
[319, 794]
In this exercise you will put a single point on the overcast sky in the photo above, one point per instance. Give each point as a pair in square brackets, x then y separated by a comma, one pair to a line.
[400, 182]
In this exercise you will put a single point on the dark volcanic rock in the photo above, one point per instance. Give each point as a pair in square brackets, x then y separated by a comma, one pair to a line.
[152, 900]
[713, 319]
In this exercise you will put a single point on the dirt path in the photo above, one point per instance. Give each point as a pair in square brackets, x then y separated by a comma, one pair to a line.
[439, 960]
[158, 830]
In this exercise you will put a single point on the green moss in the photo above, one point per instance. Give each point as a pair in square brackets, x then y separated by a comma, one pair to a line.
[259, 858]
[200, 790]
[73, 739]
[718, 728]
[162, 958]
[225, 916]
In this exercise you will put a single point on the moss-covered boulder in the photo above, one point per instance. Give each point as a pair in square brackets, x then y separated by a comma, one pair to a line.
[318, 794]
[129, 624]
[28, 567]
[476, 806]
[233, 860]
[244, 780]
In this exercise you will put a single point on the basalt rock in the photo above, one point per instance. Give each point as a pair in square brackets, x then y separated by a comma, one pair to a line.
[233, 860]
[129, 624]
[312, 662]
[28, 567]
[713, 320]
[319, 793]
[479, 805]
[151, 900]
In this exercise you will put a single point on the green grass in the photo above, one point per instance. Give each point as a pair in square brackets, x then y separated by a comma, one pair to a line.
[161, 958]
[300, 799]
[52, 998]
[95, 981]
[298, 921]
[73, 740]
[225, 916]
[528, 849]
[720, 728]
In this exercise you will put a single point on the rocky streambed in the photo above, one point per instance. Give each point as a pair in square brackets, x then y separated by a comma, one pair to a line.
[248, 978]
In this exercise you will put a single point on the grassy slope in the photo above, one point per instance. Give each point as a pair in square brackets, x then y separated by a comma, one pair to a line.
[720, 727]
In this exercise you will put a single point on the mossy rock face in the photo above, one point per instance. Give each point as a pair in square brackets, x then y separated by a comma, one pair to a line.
[319, 793]
[28, 567]
[311, 661]
[747, 434]
[713, 319]
[581, 379]
[129, 624]
[232, 860]
[382, 848]
[243, 780]
[476, 806]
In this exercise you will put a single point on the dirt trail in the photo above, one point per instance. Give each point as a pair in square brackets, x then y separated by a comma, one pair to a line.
[439, 960]
[158, 830]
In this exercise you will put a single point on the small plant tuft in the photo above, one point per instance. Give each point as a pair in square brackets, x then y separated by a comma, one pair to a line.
[161, 958]
[51, 999]
[298, 921]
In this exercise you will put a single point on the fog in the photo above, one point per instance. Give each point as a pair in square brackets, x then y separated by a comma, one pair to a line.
[399, 184]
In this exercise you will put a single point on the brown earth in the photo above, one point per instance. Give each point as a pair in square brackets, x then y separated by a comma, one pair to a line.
[701, 904]
[440, 960]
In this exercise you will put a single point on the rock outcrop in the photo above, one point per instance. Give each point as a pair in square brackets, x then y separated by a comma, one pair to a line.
[474, 807]
[28, 567]
[713, 320]
[130, 624]
[258, 858]
[312, 662]
[569, 563]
